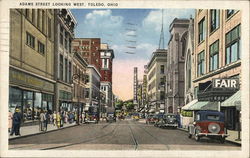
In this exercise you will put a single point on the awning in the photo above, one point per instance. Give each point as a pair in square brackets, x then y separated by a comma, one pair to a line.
[188, 105]
[203, 105]
[234, 100]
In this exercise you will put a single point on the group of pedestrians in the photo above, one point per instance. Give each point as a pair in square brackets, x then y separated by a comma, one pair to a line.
[63, 117]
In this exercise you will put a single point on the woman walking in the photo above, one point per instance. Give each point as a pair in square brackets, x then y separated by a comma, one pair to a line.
[10, 117]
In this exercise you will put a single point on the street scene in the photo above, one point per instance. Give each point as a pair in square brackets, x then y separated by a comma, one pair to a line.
[125, 79]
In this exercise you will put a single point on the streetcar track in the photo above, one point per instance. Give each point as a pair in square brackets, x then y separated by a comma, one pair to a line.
[152, 135]
[134, 139]
[85, 141]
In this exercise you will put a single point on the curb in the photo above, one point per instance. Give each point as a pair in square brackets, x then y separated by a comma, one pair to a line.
[229, 141]
[41, 132]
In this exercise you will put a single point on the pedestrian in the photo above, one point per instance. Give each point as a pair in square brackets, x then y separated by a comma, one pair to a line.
[62, 119]
[10, 117]
[54, 118]
[46, 121]
[58, 120]
[42, 119]
[66, 117]
[16, 123]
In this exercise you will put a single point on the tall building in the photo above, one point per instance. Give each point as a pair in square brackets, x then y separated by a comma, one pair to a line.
[175, 64]
[64, 34]
[156, 74]
[217, 50]
[31, 71]
[89, 48]
[106, 61]
[135, 99]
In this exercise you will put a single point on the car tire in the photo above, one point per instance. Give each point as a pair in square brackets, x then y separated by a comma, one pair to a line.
[222, 140]
[197, 137]
[189, 135]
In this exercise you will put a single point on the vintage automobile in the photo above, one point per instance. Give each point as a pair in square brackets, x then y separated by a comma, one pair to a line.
[158, 119]
[111, 117]
[208, 123]
[150, 119]
[136, 116]
[91, 118]
[168, 120]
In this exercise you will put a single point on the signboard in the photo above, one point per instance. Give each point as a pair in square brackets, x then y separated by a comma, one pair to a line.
[226, 83]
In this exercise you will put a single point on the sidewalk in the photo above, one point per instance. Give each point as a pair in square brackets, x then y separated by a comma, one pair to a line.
[233, 135]
[34, 129]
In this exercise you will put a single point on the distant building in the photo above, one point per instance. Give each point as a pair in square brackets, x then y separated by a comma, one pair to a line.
[106, 61]
[176, 64]
[156, 74]
[135, 84]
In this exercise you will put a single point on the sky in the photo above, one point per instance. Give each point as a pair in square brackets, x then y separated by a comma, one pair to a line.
[135, 31]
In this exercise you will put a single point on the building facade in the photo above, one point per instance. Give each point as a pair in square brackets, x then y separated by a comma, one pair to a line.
[156, 81]
[217, 50]
[31, 72]
[135, 88]
[64, 34]
[176, 64]
[106, 59]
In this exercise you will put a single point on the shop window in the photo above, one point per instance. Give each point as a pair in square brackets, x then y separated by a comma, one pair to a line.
[15, 99]
[37, 105]
[214, 19]
[30, 40]
[214, 56]
[201, 63]
[27, 105]
[233, 52]
[202, 31]
[41, 47]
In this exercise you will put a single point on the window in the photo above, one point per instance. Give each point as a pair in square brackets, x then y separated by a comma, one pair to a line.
[202, 30]
[70, 45]
[30, 40]
[33, 16]
[66, 70]
[66, 41]
[86, 92]
[214, 19]
[70, 73]
[38, 18]
[195, 92]
[27, 13]
[162, 95]
[233, 45]
[43, 21]
[162, 69]
[213, 117]
[214, 56]
[201, 63]
[49, 27]
[105, 63]
[229, 12]
[61, 67]
[61, 35]
[40, 47]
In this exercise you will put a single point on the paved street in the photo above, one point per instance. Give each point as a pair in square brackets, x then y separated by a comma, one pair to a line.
[122, 135]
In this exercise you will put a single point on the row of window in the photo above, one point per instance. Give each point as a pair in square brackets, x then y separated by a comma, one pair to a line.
[233, 52]
[38, 19]
[214, 23]
[65, 39]
[67, 67]
[30, 41]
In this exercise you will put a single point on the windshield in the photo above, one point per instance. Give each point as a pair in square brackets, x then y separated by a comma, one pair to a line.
[169, 116]
[213, 117]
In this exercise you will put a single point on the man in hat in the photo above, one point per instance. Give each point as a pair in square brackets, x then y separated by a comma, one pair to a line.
[16, 122]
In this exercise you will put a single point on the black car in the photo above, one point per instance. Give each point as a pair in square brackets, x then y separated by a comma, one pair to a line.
[168, 120]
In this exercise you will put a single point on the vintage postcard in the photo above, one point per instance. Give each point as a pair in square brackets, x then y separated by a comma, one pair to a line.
[124, 78]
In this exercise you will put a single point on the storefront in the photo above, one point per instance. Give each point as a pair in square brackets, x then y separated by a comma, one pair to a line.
[30, 94]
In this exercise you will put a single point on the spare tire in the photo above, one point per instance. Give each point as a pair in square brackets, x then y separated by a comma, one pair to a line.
[214, 128]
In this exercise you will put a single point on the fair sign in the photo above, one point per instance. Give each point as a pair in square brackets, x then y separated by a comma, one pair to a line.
[226, 83]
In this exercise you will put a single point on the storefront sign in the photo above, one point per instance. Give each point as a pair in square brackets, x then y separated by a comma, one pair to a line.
[226, 83]
[24, 79]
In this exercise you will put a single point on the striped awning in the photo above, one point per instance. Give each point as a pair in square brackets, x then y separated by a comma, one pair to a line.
[234, 100]
[202, 105]
[188, 105]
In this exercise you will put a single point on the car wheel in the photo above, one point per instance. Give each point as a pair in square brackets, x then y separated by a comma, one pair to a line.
[197, 137]
[222, 140]
[189, 135]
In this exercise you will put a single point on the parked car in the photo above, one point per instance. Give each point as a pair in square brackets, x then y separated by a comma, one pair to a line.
[136, 116]
[158, 119]
[111, 117]
[91, 118]
[168, 120]
[210, 124]
[150, 119]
